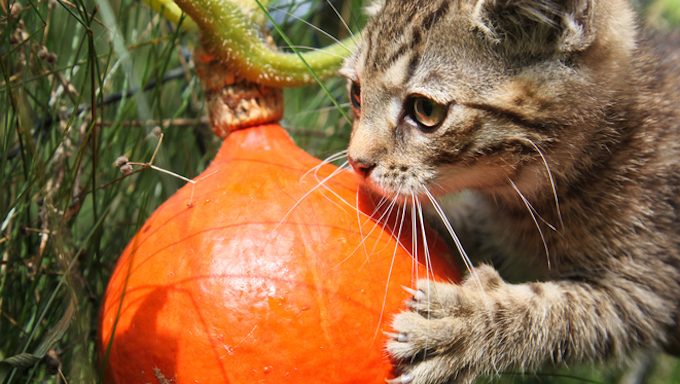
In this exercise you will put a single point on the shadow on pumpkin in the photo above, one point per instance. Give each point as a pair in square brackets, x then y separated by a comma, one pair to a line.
[142, 333]
[158, 363]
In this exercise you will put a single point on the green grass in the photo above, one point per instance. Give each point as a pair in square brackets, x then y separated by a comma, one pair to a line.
[84, 82]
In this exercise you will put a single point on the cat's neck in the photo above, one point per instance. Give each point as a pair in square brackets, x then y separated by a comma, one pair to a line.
[610, 184]
[582, 177]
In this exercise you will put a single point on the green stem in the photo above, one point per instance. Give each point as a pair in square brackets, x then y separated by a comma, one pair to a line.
[232, 30]
[172, 12]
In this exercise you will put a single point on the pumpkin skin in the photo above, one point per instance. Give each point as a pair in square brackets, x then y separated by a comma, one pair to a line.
[225, 283]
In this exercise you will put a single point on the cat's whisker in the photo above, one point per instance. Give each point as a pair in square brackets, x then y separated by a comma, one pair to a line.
[344, 166]
[361, 227]
[364, 238]
[320, 184]
[544, 221]
[552, 182]
[402, 219]
[390, 209]
[396, 220]
[387, 212]
[376, 209]
[340, 198]
[323, 192]
[329, 160]
[428, 265]
[360, 224]
[439, 186]
[459, 246]
[414, 237]
[400, 222]
[531, 210]
[429, 272]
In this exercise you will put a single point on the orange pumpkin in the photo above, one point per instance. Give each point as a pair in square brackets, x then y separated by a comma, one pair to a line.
[256, 275]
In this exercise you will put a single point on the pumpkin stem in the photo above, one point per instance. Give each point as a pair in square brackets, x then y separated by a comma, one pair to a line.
[234, 102]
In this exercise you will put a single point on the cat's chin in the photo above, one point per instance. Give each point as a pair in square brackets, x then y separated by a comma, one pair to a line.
[372, 187]
[391, 189]
[400, 193]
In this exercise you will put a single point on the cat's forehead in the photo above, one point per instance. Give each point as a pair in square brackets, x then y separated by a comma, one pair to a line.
[411, 45]
[401, 29]
[408, 38]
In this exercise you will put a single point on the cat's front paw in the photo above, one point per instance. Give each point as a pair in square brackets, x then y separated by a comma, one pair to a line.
[431, 351]
[442, 339]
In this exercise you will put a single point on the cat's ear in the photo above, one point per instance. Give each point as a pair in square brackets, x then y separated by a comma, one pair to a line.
[565, 26]
[374, 7]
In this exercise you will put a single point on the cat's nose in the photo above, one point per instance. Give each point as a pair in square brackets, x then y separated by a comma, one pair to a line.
[361, 166]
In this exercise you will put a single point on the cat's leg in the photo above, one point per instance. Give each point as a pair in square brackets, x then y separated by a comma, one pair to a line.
[454, 333]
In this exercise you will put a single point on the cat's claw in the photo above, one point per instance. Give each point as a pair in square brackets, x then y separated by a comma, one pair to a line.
[403, 379]
[397, 336]
[416, 294]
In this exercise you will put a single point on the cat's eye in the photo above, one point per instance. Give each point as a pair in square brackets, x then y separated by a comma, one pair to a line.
[355, 97]
[427, 112]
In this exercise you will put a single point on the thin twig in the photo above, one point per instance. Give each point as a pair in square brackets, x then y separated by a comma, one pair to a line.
[149, 164]
[163, 123]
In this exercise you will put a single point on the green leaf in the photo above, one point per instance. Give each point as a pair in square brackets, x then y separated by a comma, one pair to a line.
[22, 360]
[27, 360]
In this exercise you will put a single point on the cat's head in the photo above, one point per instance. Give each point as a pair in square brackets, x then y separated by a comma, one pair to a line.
[459, 94]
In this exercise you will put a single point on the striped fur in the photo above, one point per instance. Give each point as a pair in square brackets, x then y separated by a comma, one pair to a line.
[544, 98]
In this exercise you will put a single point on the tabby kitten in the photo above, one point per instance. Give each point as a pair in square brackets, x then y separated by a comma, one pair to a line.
[563, 123]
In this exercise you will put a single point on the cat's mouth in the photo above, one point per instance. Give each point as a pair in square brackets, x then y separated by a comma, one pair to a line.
[399, 182]
[405, 183]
